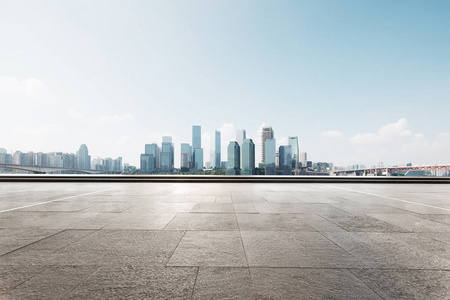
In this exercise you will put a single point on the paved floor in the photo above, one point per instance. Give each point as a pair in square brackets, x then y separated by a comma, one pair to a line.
[224, 241]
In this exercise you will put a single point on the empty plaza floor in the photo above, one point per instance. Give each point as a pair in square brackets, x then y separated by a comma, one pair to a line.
[224, 241]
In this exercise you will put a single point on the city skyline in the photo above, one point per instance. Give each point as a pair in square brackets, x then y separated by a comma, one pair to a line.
[358, 82]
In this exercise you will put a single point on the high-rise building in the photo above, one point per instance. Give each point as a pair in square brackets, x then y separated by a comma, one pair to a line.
[267, 133]
[248, 157]
[234, 159]
[270, 150]
[303, 159]
[197, 144]
[198, 158]
[285, 153]
[186, 157]
[241, 135]
[84, 160]
[154, 151]
[215, 150]
[196, 137]
[293, 142]
[167, 155]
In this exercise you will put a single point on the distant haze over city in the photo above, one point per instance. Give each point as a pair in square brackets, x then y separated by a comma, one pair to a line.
[358, 82]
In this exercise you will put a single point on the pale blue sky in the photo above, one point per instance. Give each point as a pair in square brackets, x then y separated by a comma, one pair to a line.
[356, 81]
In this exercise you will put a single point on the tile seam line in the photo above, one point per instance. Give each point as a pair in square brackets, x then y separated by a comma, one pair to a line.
[390, 198]
[245, 254]
[55, 200]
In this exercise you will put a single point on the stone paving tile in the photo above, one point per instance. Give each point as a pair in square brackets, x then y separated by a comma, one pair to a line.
[146, 221]
[439, 236]
[386, 250]
[225, 208]
[445, 219]
[273, 208]
[362, 223]
[273, 222]
[12, 276]
[359, 209]
[118, 247]
[295, 249]
[223, 283]
[407, 284]
[137, 282]
[209, 248]
[321, 224]
[247, 197]
[299, 283]
[53, 283]
[245, 208]
[160, 207]
[224, 199]
[203, 221]
[412, 223]
[316, 208]
[12, 239]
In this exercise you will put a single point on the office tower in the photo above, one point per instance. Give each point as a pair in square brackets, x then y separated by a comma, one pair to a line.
[240, 137]
[303, 159]
[196, 137]
[215, 150]
[84, 160]
[267, 133]
[285, 153]
[293, 142]
[234, 159]
[166, 155]
[147, 164]
[117, 165]
[152, 149]
[197, 144]
[198, 158]
[270, 150]
[186, 157]
[248, 157]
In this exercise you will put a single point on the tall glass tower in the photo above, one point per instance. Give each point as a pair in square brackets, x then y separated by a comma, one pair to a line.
[240, 137]
[293, 142]
[234, 159]
[248, 157]
[153, 149]
[196, 137]
[197, 144]
[167, 154]
[84, 160]
[215, 150]
[286, 159]
[267, 133]
[270, 149]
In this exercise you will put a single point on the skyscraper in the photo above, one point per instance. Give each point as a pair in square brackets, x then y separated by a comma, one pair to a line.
[240, 137]
[167, 155]
[303, 159]
[267, 133]
[197, 144]
[196, 137]
[215, 150]
[234, 160]
[293, 142]
[84, 160]
[153, 149]
[270, 151]
[248, 157]
[286, 159]
[186, 157]
[198, 155]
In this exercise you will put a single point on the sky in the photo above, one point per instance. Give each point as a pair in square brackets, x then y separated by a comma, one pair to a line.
[358, 82]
